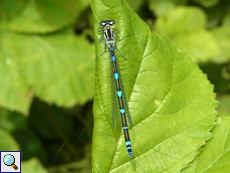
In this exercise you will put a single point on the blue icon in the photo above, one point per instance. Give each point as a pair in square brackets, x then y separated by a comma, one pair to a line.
[9, 160]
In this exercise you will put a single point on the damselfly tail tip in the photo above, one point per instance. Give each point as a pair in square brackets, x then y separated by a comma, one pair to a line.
[130, 155]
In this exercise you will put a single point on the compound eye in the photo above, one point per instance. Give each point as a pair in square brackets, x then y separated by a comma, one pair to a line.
[111, 22]
[102, 23]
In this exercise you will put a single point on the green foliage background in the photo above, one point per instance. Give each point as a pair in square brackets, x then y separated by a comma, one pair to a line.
[47, 77]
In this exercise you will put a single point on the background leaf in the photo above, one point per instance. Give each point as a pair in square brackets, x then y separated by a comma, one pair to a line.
[221, 35]
[40, 16]
[188, 24]
[12, 121]
[161, 7]
[32, 165]
[63, 84]
[223, 108]
[8, 144]
[47, 59]
[207, 3]
[14, 93]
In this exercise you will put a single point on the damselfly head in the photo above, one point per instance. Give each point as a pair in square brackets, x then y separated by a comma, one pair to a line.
[107, 22]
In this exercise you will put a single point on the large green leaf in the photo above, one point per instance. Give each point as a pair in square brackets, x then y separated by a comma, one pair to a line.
[57, 68]
[170, 100]
[14, 94]
[40, 16]
[215, 157]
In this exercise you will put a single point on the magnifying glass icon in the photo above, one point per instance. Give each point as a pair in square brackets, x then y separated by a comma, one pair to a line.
[9, 160]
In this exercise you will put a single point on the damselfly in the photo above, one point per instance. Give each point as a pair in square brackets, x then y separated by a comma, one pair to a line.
[123, 105]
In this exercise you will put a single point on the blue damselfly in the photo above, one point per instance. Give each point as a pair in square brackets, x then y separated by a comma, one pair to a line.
[109, 36]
